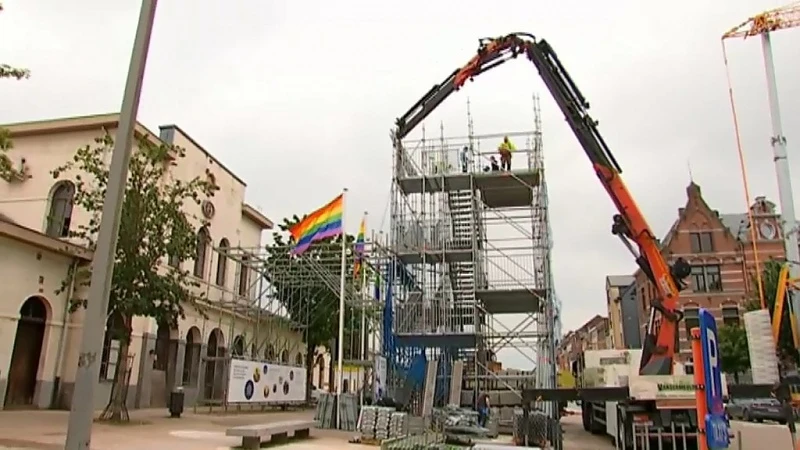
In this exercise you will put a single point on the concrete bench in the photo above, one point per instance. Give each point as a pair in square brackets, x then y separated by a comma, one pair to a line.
[253, 435]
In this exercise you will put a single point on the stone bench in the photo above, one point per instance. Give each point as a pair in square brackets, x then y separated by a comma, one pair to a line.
[253, 435]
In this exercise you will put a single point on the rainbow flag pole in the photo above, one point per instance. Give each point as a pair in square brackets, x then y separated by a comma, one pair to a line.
[327, 222]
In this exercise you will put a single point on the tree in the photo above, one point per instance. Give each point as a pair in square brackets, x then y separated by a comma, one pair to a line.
[733, 350]
[307, 298]
[769, 277]
[7, 170]
[154, 224]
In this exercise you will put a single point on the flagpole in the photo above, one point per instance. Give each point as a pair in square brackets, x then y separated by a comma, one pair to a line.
[363, 271]
[340, 344]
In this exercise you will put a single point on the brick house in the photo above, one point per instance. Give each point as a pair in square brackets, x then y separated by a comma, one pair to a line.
[720, 251]
[592, 335]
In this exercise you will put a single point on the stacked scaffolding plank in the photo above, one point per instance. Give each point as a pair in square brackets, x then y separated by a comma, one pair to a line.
[473, 245]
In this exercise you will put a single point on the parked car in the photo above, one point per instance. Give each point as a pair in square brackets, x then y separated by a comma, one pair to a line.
[757, 410]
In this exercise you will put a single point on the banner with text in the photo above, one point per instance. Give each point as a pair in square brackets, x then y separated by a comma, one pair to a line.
[259, 382]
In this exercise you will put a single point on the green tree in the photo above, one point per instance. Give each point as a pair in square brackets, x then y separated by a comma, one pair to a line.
[6, 167]
[309, 300]
[770, 275]
[733, 350]
[154, 224]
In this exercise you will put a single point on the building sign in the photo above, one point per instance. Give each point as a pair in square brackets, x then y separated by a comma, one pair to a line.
[717, 427]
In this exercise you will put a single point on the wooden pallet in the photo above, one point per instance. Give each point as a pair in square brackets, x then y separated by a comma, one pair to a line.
[371, 441]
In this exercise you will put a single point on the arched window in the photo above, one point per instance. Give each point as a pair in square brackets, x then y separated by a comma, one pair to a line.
[222, 263]
[285, 357]
[203, 238]
[244, 278]
[59, 217]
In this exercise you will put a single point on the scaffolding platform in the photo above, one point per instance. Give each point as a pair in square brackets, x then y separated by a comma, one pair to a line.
[511, 301]
[437, 340]
[435, 256]
[498, 189]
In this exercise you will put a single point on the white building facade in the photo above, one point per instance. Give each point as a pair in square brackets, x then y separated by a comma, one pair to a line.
[40, 338]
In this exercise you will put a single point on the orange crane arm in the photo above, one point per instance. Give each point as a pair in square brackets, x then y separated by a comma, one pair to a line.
[775, 19]
[661, 341]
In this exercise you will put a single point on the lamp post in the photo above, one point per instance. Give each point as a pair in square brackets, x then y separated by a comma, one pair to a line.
[79, 432]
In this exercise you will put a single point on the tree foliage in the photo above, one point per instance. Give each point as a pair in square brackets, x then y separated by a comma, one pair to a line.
[770, 275]
[733, 350]
[154, 224]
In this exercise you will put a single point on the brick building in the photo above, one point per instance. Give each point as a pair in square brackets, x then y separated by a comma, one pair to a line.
[719, 248]
[592, 335]
[616, 285]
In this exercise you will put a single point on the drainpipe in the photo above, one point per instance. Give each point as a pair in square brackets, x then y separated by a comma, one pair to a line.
[60, 358]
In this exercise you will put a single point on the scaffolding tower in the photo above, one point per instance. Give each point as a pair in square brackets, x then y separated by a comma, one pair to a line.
[471, 253]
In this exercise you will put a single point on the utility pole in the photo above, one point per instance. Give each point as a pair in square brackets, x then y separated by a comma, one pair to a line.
[79, 433]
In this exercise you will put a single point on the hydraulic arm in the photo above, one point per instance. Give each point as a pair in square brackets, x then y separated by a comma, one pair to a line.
[661, 340]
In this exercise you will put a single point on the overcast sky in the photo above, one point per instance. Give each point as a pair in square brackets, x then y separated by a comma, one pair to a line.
[298, 98]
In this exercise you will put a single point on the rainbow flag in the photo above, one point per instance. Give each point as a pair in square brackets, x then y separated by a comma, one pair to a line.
[323, 223]
[359, 247]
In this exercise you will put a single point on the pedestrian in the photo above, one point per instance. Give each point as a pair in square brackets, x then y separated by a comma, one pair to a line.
[505, 149]
[464, 157]
[483, 409]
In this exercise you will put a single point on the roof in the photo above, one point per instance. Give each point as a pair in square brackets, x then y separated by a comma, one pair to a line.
[95, 122]
[620, 280]
[256, 216]
[36, 239]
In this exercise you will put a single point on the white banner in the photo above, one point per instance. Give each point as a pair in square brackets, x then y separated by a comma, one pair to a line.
[258, 382]
[379, 381]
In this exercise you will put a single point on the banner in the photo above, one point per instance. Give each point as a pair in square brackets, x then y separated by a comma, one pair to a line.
[258, 382]
[379, 383]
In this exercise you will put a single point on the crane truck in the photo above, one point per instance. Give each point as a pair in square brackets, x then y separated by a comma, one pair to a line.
[642, 383]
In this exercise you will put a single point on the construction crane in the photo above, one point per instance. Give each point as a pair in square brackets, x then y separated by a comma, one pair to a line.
[762, 25]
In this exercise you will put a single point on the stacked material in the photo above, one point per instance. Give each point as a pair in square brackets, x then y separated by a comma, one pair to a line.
[761, 344]
[375, 422]
[366, 423]
[325, 414]
[383, 420]
[398, 424]
[537, 429]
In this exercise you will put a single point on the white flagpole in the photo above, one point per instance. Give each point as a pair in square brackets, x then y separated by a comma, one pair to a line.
[363, 273]
[340, 345]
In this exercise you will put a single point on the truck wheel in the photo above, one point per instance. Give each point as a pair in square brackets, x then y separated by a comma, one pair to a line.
[586, 416]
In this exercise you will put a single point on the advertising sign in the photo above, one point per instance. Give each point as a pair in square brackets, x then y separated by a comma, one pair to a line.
[717, 433]
[258, 382]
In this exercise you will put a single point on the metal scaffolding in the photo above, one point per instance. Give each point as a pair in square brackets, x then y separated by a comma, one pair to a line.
[470, 249]
[275, 298]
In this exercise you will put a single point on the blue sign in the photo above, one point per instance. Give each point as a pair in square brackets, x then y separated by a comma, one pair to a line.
[717, 435]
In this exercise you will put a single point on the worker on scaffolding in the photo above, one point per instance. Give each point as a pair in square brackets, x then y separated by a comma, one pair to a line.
[482, 406]
[505, 149]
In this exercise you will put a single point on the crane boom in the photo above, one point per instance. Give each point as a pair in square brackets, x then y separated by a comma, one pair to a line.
[661, 340]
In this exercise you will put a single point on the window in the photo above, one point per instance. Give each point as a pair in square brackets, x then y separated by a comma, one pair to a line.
[692, 320]
[269, 353]
[701, 242]
[730, 315]
[243, 276]
[162, 348]
[222, 263]
[299, 359]
[59, 217]
[706, 279]
[203, 239]
[238, 346]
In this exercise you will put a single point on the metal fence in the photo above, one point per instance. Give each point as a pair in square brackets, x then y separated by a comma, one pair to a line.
[674, 437]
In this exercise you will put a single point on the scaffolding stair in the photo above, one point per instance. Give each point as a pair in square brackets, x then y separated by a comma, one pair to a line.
[466, 231]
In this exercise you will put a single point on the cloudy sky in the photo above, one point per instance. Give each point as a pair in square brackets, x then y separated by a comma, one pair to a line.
[298, 98]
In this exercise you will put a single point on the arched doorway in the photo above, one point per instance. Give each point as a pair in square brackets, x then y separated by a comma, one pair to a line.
[27, 352]
[215, 367]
